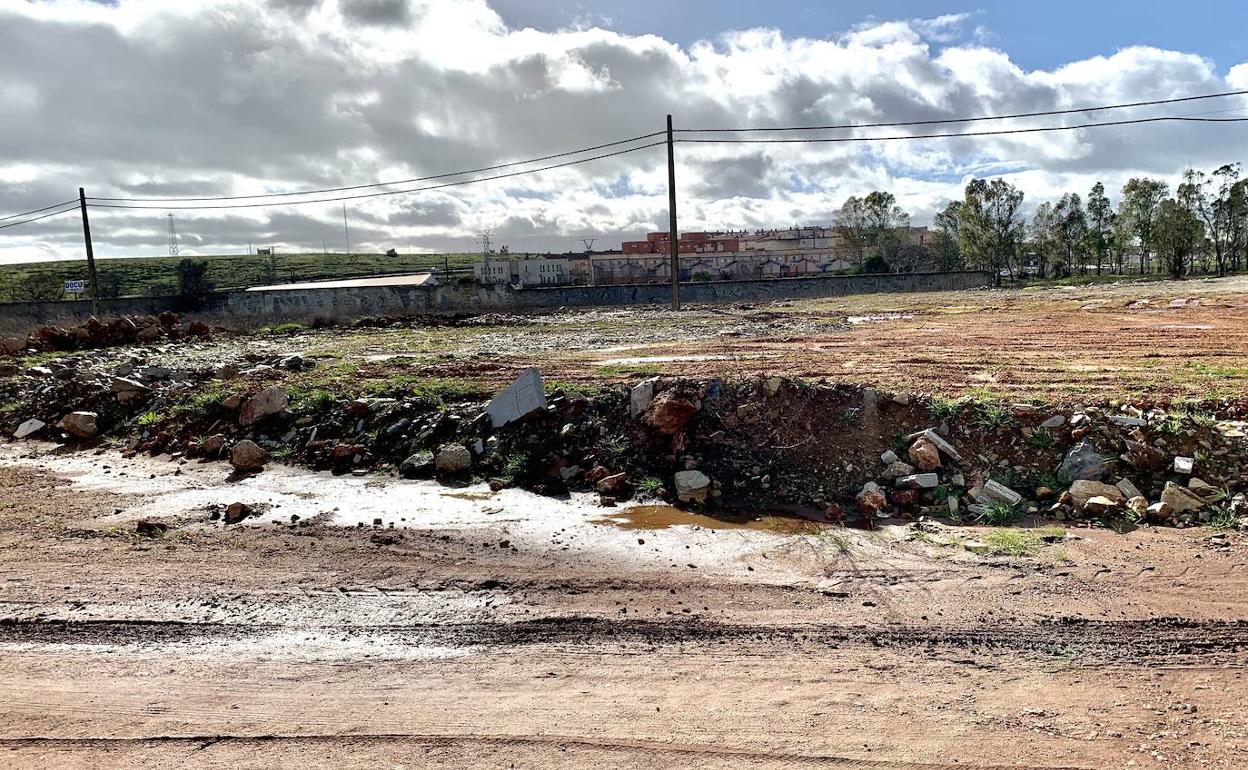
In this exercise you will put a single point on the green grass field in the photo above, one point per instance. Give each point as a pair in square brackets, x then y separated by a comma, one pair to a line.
[149, 276]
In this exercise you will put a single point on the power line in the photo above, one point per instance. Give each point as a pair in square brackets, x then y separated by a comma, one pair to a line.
[36, 211]
[940, 121]
[998, 132]
[384, 193]
[392, 182]
[40, 217]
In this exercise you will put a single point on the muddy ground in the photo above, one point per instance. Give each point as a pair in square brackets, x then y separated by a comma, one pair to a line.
[371, 621]
[506, 630]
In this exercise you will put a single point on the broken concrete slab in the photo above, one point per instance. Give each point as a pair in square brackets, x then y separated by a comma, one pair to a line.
[524, 396]
[996, 492]
[944, 446]
[29, 428]
[918, 481]
[1128, 489]
[1184, 465]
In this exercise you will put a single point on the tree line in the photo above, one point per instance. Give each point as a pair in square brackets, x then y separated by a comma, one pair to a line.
[1201, 229]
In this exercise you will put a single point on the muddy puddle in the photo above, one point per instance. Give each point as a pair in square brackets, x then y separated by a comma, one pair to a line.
[667, 517]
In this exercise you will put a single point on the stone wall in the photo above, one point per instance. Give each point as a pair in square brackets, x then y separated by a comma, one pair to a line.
[253, 308]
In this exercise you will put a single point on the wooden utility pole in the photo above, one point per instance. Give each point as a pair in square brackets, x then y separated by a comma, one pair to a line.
[86, 237]
[346, 231]
[673, 242]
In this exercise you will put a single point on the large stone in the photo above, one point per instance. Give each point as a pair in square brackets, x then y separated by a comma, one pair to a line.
[918, 481]
[29, 428]
[212, 445]
[640, 396]
[80, 424]
[669, 413]
[417, 466]
[1128, 422]
[1180, 500]
[996, 492]
[692, 486]
[12, 345]
[524, 396]
[236, 512]
[1143, 457]
[1083, 490]
[1083, 461]
[247, 456]
[266, 403]
[871, 499]
[1054, 422]
[924, 454]
[453, 458]
[1128, 489]
[614, 485]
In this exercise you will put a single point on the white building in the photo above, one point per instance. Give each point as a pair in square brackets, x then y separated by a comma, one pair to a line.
[539, 271]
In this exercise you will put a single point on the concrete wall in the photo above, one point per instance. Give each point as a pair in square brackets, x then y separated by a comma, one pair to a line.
[253, 308]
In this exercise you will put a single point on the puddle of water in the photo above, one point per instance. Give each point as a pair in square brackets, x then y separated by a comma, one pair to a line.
[854, 320]
[666, 517]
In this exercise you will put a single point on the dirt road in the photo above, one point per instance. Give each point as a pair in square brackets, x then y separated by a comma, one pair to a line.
[510, 631]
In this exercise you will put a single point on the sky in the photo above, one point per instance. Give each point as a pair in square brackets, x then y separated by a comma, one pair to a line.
[205, 98]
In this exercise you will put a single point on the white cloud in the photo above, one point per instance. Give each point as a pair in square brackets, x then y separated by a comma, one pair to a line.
[201, 97]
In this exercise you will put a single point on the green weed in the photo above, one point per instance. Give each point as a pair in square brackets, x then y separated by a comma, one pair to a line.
[148, 420]
[1223, 519]
[1041, 438]
[1011, 542]
[992, 416]
[944, 408]
[650, 486]
[634, 370]
[997, 514]
[836, 538]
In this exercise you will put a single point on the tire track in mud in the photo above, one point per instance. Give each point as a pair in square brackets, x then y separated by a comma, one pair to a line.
[1168, 639]
[648, 749]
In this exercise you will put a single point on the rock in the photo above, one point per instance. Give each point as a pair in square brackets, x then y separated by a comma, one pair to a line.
[952, 502]
[669, 413]
[419, 465]
[453, 458]
[889, 457]
[247, 456]
[151, 528]
[692, 486]
[1184, 465]
[1203, 489]
[995, 492]
[640, 396]
[569, 473]
[212, 445]
[918, 481]
[613, 485]
[896, 470]
[1097, 505]
[1128, 489]
[1054, 422]
[292, 363]
[524, 396]
[9, 370]
[1179, 499]
[924, 455]
[1138, 505]
[266, 403]
[12, 345]
[871, 499]
[906, 498]
[198, 329]
[29, 428]
[1143, 457]
[148, 333]
[80, 424]
[596, 474]
[1159, 512]
[772, 385]
[1128, 422]
[1083, 462]
[1084, 490]
[958, 480]
[128, 390]
[236, 512]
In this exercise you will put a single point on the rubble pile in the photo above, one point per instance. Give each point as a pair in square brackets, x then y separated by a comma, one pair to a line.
[94, 333]
[762, 444]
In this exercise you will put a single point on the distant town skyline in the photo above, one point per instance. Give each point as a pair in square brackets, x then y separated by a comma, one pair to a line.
[149, 99]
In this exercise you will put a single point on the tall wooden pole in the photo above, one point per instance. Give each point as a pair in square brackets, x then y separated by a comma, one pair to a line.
[86, 237]
[672, 238]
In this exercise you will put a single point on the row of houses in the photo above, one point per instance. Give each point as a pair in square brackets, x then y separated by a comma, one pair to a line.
[707, 256]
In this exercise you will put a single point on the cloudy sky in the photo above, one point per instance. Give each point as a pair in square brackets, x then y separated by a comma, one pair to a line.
[200, 98]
